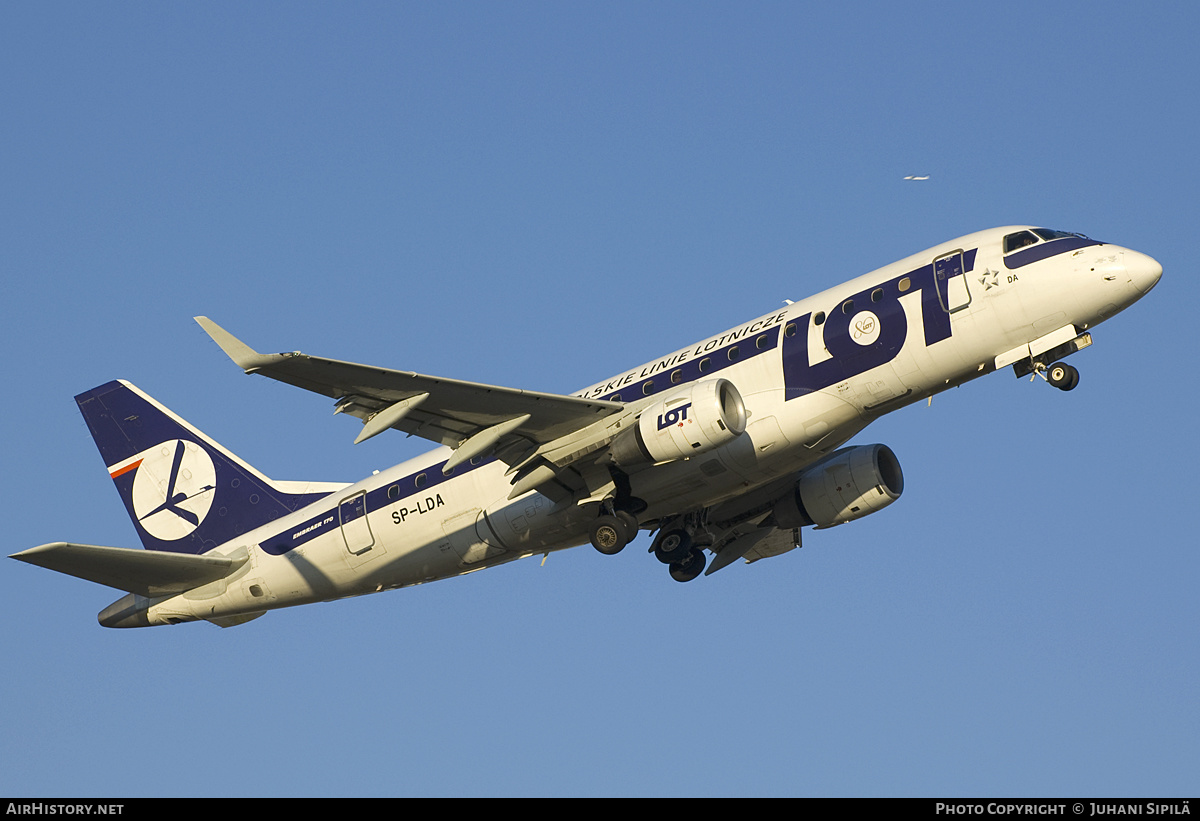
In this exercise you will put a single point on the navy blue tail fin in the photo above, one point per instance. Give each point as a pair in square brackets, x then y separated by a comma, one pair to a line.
[184, 492]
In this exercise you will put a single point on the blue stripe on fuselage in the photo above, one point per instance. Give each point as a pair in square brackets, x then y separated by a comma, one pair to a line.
[710, 361]
[381, 498]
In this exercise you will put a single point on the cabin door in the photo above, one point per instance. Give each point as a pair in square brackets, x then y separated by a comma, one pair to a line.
[353, 515]
[951, 282]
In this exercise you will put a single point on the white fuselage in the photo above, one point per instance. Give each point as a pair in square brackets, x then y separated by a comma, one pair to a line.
[812, 375]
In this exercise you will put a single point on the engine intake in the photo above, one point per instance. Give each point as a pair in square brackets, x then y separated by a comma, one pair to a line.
[686, 422]
[846, 485]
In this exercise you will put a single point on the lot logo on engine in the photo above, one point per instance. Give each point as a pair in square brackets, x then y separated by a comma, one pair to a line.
[675, 416]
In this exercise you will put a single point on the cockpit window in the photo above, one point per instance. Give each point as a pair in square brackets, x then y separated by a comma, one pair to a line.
[1048, 233]
[1022, 239]
[1030, 245]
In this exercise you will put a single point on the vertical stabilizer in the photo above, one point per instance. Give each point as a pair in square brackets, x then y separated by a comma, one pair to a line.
[184, 492]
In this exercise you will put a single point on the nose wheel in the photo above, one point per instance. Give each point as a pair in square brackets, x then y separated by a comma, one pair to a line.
[1062, 376]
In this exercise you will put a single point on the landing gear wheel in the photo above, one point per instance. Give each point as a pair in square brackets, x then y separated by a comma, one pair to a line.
[609, 535]
[631, 523]
[1063, 377]
[689, 567]
[672, 546]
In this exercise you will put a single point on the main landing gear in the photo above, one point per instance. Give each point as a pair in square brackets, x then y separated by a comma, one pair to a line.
[673, 546]
[612, 531]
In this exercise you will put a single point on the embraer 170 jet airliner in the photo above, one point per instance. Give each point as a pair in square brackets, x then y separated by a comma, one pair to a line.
[728, 446]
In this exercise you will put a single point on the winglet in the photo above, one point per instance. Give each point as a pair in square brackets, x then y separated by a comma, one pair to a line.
[248, 359]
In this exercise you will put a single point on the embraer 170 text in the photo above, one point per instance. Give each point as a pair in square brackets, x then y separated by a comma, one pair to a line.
[730, 445]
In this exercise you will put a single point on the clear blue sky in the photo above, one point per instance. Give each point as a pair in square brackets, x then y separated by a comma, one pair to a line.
[542, 195]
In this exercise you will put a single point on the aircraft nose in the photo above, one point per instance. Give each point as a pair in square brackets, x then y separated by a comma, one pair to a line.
[1144, 271]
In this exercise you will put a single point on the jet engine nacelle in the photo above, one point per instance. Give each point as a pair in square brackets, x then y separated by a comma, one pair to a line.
[683, 423]
[847, 485]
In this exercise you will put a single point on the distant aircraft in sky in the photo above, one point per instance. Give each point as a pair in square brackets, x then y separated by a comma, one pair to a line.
[728, 446]
[917, 179]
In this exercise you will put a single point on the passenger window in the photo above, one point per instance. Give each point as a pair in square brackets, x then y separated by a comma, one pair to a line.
[648, 387]
[705, 364]
[733, 353]
[676, 377]
[819, 319]
[848, 306]
[790, 330]
[905, 284]
[877, 295]
[762, 342]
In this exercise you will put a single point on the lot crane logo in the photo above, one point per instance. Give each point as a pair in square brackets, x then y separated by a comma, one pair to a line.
[173, 487]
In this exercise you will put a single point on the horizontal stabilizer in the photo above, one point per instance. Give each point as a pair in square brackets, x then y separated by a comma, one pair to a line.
[144, 572]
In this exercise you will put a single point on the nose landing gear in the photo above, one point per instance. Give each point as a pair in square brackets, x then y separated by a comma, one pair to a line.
[1060, 375]
[1063, 377]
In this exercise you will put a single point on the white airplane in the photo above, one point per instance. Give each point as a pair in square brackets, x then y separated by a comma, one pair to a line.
[730, 445]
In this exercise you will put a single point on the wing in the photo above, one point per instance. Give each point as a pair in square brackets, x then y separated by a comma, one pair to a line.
[520, 427]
